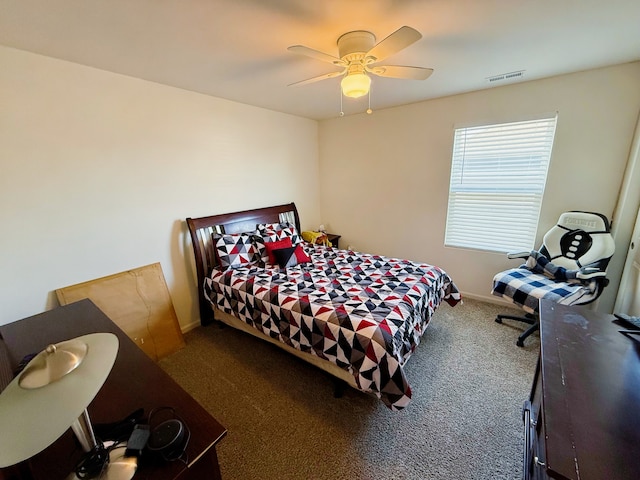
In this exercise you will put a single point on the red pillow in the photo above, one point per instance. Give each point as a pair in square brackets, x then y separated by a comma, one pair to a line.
[271, 246]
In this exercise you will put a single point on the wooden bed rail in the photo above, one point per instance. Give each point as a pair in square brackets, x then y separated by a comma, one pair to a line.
[202, 229]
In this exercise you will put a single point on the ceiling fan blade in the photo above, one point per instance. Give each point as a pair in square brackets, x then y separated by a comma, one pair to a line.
[318, 55]
[401, 38]
[316, 79]
[400, 71]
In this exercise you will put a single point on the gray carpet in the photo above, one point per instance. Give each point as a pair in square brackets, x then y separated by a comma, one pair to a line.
[469, 381]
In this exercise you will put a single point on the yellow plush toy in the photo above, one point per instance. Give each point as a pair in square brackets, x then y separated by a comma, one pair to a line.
[317, 238]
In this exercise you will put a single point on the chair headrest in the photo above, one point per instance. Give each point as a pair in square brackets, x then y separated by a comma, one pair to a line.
[585, 221]
[579, 239]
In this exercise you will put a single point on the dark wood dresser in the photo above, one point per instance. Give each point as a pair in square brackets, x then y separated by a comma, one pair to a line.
[582, 420]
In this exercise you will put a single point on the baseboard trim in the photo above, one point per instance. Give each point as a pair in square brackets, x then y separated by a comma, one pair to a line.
[190, 326]
[488, 299]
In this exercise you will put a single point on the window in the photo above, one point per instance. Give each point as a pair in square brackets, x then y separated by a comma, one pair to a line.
[498, 174]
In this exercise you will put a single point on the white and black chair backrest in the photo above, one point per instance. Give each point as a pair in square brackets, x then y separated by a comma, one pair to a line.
[579, 239]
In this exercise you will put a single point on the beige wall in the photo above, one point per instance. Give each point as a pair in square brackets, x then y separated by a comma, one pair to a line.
[99, 171]
[384, 177]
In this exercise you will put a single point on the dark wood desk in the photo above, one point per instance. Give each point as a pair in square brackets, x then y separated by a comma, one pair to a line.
[582, 420]
[134, 382]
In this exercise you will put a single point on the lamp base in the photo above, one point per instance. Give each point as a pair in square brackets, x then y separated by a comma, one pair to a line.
[118, 468]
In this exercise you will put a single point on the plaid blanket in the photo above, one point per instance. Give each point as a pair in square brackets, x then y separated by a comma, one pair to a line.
[364, 313]
[539, 278]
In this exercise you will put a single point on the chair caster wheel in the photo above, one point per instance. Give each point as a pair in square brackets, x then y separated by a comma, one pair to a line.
[498, 320]
[520, 343]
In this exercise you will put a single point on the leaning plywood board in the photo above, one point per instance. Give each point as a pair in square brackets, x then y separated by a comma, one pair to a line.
[138, 302]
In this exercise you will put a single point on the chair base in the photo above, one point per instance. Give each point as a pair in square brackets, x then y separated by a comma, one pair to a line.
[528, 319]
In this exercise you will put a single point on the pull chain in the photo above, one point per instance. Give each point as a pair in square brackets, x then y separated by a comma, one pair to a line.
[369, 111]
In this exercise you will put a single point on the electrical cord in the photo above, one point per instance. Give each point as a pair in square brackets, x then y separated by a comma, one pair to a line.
[94, 462]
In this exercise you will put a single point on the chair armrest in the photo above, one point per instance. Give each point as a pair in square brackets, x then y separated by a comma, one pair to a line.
[511, 256]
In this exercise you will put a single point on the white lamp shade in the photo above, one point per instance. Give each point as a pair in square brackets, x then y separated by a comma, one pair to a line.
[32, 419]
[355, 85]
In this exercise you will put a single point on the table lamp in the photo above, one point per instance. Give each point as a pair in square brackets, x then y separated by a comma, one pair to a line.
[52, 393]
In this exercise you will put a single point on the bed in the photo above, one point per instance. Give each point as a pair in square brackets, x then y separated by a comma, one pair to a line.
[356, 316]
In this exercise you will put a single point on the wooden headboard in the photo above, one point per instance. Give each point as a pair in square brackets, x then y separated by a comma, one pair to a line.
[203, 228]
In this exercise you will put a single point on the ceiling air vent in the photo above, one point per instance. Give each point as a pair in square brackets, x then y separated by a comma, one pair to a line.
[506, 77]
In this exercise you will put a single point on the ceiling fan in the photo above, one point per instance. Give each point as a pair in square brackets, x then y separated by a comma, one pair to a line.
[359, 55]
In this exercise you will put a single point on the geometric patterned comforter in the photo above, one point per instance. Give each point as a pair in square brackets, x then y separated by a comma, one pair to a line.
[364, 313]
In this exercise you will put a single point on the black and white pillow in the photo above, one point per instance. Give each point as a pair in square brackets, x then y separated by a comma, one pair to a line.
[263, 227]
[235, 250]
[277, 231]
[274, 232]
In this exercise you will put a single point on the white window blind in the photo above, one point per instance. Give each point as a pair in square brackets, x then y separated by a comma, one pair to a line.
[498, 175]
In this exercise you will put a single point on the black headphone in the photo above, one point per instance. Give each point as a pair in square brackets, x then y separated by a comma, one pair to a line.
[169, 437]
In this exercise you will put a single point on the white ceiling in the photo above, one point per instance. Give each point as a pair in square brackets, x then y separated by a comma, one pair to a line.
[237, 49]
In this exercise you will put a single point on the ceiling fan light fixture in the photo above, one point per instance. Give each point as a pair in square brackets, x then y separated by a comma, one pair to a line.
[355, 85]
[359, 55]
